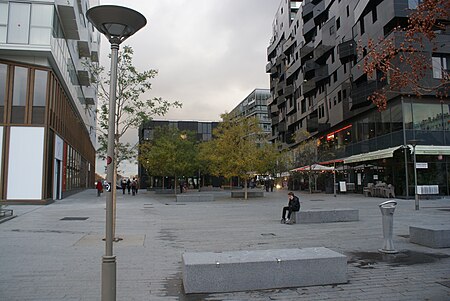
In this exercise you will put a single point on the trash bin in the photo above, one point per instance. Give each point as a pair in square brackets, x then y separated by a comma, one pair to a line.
[387, 211]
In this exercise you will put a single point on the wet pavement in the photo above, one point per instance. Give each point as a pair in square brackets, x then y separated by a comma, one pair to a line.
[54, 252]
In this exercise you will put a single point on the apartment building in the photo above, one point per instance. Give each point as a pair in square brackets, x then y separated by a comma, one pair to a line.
[47, 100]
[255, 105]
[318, 85]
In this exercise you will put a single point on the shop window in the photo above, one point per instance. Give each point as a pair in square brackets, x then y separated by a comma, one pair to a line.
[19, 95]
[427, 117]
[441, 66]
[39, 96]
[3, 79]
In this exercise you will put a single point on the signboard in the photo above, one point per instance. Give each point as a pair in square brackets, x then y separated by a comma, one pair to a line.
[359, 179]
[108, 187]
[421, 165]
[342, 186]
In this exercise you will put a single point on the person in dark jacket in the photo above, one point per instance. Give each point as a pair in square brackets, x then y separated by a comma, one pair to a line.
[293, 206]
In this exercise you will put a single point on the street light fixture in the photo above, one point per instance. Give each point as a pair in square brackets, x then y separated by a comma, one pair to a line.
[117, 24]
[414, 142]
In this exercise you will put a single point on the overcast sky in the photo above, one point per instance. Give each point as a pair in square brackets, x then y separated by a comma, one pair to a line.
[210, 54]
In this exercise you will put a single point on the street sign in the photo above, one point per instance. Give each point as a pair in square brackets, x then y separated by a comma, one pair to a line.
[421, 165]
[108, 187]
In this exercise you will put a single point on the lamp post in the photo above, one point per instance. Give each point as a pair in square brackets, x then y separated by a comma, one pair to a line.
[414, 142]
[117, 24]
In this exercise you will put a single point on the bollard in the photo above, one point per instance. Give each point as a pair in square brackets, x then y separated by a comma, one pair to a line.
[387, 210]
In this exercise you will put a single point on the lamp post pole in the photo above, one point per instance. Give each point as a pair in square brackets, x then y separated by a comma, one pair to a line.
[117, 24]
[414, 143]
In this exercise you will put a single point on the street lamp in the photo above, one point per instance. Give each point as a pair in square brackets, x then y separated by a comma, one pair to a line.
[117, 24]
[414, 142]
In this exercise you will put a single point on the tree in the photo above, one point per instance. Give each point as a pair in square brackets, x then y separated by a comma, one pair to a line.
[306, 154]
[132, 107]
[239, 149]
[171, 153]
[403, 61]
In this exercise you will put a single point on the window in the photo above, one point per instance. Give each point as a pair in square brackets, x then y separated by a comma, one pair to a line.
[41, 24]
[332, 56]
[19, 23]
[344, 93]
[440, 65]
[374, 15]
[332, 30]
[339, 96]
[361, 26]
[412, 4]
[3, 21]
[345, 68]
[338, 23]
[19, 95]
[335, 76]
[334, 101]
[3, 77]
[39, 96]
[348, 11]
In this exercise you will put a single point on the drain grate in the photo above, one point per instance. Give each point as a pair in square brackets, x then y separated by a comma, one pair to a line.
[74, 218]
[268, 234]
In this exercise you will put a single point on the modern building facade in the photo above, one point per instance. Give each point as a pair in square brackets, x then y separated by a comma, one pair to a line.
[318, 85]
[255, 105]
[202, 129]
[47, 101]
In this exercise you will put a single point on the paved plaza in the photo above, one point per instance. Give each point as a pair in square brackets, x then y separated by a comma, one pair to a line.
[54, 252]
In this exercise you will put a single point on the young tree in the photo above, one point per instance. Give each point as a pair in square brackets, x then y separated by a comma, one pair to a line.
[306, 154]
[132, 107]
[171, 153]
[239, 149]
[404, 62]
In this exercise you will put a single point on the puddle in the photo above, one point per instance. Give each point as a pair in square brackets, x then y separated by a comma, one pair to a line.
[368, 260]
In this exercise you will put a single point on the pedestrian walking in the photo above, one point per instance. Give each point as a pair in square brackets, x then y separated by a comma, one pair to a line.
[123, 184]
[99, 187]
[133, 186]
[128, 185]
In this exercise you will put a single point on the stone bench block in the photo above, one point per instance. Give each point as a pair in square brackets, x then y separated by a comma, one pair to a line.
[195, 197]
[209, 272]
[250, 194]
[434, 236]
[326, 216]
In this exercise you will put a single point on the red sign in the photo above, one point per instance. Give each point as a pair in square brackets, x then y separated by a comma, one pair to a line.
[108, 160]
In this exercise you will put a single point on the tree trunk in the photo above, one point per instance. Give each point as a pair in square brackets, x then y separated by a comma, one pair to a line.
[245, 189]
[175, 190]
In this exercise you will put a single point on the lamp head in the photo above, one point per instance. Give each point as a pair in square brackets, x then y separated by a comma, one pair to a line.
[117, 23]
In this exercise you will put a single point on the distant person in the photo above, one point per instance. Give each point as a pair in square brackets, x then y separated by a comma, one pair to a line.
[133, 186]
[293, 206]
[128, 185]
[99, 187]
[123, 184]
[271, 184]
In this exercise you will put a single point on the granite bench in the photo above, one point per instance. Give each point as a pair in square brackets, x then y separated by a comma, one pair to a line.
[250, 194]
[186, 197]
[325, 216]
[209, 272]
[434, 236]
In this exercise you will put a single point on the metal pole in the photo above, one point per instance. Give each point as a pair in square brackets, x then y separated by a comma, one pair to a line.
[416, 196]
[334, 179]
[109, 260]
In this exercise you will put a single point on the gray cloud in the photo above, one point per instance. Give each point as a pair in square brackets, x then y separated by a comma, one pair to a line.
[210, 54]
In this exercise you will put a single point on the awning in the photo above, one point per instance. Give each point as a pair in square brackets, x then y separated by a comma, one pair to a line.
[432, 150]
[375, 155]
[313, 167]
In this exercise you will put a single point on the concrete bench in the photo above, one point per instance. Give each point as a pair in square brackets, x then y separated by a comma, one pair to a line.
[434, 236]
[186, 197]
[325, 216]
[208, 272]
[250, 194]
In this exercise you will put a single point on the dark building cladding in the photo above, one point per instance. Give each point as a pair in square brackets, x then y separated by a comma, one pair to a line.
[203, 130]
[317, 85]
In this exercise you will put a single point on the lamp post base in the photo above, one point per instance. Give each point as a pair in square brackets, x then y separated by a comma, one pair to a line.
[108, 278]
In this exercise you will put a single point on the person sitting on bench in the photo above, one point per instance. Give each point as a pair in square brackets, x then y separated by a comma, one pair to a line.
[293, 206]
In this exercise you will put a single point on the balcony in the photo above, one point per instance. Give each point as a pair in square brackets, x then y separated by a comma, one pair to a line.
[321, 73]
[83, 78]
[89, 95]
[288, 43]
[310, 65]
[347, 51]
[307, 9]
[68, 20]
[312, 124]
[268, 67]
[360, 93]
[294, 67]
[83, 49]
[319, 9]
[308, 86]
[94, 56]
[321, 50]
[308, 26]
[289, 90]
[306, 51]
